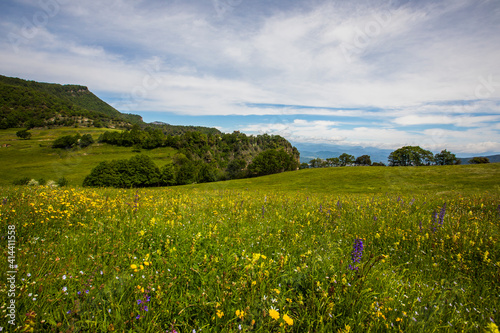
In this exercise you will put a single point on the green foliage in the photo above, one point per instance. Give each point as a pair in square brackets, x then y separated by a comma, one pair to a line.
[66, 142]
[61, 182]
[272, 161]
[70, 141]
[479, 160]
[363, 160]
[138, 171]
[22, 181]
[411, 156]
[86, 140]
[23, 134]
[445, 158]
[346, 159]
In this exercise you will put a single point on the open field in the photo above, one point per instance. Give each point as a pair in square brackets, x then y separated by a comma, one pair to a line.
[36, 159]
[433, 179]
[302, 251]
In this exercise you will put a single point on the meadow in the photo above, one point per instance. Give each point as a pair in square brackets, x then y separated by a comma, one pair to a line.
[283, 253]
[36, 159]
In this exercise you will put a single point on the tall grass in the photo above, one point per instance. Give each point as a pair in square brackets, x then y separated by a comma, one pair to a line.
[185, 260]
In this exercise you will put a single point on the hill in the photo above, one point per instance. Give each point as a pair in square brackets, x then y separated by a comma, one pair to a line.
[35, 104]
[492, 158]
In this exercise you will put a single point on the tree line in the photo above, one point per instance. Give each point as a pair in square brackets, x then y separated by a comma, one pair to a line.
[404, 156]
[141, 171]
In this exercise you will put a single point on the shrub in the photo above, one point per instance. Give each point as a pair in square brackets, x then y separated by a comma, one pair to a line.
[23, 134]
[42, 181]
[62, 182]
[21, 181]
[33, 182]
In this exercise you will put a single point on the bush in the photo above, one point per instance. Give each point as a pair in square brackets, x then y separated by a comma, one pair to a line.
[86, 140]
[66, 142]
[33, 182]
[23, 134]
[22, 181]
[42, 181]
[62, 182]
[138, 171]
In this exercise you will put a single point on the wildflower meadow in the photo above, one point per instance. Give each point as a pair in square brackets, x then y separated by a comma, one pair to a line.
[230, 260]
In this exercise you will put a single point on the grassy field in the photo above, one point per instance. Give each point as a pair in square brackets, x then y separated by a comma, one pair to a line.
[36, 159]
[433, 179]
[328, 250]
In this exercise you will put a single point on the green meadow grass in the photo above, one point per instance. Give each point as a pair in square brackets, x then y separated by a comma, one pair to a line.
[433, 179]
[262, 255]
[36, 159]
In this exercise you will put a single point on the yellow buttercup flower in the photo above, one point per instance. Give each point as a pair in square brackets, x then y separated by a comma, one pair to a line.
[288, 320]
[133, 266]
[274, 314]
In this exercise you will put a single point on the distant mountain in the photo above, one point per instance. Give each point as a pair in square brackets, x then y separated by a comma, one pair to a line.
[492, 158]
[309, 151]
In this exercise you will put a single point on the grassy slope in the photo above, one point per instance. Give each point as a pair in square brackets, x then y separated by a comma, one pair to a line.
[433, 179]
[35, 158]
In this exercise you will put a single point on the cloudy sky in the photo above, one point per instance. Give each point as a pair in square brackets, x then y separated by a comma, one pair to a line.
[371, 73]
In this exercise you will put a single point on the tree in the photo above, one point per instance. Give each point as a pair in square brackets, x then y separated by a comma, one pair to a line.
[346, 159]
[479, 160]
[23, 134]
[304, 165]
[316, 163]
[445, 158]
[333, 161]
[272, 161]
[236, 168]
[363, 160]
[138, 171]
[411, 156]
[168, 176]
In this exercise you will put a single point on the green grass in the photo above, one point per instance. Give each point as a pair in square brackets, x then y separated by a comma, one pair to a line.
[36, 159]
[433, 179]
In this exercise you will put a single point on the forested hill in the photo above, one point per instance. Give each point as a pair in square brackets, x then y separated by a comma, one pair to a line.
[34, 104]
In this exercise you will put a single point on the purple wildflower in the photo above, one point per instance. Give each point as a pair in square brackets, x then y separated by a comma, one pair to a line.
[441, 214]
[138, 317]
[139, 302]
[357, 253]
[145, 308]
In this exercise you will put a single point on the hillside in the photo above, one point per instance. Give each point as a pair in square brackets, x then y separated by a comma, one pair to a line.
[35, 104]
[197, 156]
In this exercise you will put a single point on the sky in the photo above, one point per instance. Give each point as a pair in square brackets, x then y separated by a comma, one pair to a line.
[371, 73]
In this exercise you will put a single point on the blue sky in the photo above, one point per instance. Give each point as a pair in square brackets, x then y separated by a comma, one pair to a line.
[367, 73]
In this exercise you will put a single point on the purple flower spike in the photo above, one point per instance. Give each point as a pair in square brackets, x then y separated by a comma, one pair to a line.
[357, 253]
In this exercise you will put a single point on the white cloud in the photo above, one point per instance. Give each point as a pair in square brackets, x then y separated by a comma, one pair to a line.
[406, 65]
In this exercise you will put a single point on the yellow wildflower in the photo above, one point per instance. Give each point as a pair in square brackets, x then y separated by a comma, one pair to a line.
[220, 314]
[288, 320]
[274, 314]
[133, 266]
